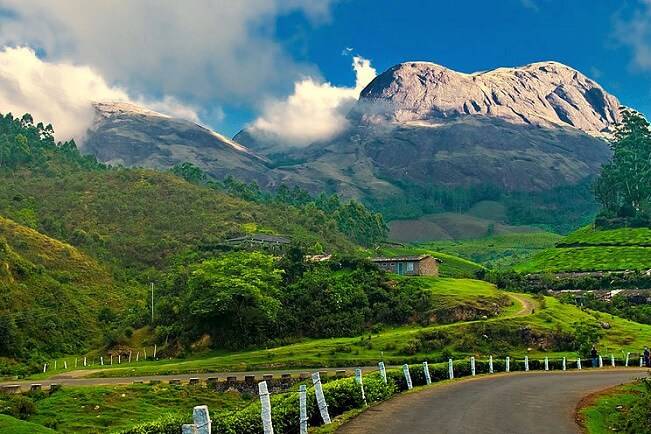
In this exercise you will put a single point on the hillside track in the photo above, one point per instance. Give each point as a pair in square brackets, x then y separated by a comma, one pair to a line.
[516, 403]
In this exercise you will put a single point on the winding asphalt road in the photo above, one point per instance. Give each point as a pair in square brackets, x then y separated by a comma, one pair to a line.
[517, 403]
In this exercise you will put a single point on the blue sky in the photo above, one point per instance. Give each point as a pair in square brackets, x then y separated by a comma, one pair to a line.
[229, 63]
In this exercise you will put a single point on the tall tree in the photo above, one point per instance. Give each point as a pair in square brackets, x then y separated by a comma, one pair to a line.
[624, 186]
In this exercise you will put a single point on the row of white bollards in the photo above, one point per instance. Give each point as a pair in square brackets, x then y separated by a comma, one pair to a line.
[202, 424]
[85, 364]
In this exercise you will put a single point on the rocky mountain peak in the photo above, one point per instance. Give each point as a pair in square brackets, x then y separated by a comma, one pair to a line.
[547, 94]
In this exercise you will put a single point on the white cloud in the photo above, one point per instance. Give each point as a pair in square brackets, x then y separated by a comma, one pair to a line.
[200, 51]
[62, 93]
[316, 110]
[635, 32]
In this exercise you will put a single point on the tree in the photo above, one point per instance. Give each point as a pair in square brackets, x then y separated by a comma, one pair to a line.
[587, 335]
[234, 298]
[624, 186]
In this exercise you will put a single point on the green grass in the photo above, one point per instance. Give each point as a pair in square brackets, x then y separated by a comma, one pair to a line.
[499, 251]
[594, 250]
[452, 266]
[10, 425]
[100, 409]
[603, 415]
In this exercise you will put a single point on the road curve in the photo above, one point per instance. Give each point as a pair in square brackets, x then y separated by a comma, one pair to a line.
[518, 403]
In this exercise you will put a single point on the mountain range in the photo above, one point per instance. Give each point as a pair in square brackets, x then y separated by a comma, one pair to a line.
[423, 139]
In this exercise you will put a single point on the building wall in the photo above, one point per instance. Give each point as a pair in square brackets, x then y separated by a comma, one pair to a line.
[425, 267]
[428, 267]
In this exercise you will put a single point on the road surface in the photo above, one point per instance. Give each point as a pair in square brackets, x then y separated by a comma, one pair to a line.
[517, 403]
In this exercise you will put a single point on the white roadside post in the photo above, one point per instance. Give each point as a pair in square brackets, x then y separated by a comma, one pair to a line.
[85, 362]
[450, 369]
[428, 378]
[627, 356]
[302, 404]
[101, 360]
[320, 398]
[473, 370]
[526, 363]
[201, 422]
[612, 360]
[358, 380]
[265, 412]
[201, 418]
[129, 356]
[578, 363]
[564, 364]
[55, 365]
[44, 367]
[383, 372]
[119, 359]
[405, 371]
[546, 363]
[490, 365]
[601, 362]
[508, 364]
[65, 364]
[155, 349]
[111, 359]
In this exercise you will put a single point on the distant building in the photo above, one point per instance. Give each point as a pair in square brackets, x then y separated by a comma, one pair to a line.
[259, 241]
[423, 265]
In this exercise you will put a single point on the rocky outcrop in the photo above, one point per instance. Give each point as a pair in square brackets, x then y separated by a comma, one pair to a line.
[546, 94]
[130, 135]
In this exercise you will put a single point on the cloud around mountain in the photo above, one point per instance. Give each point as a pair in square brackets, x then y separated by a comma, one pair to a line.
[63, 93]
[315, 111]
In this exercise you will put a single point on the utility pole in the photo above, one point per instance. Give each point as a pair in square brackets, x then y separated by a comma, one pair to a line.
[152, 303]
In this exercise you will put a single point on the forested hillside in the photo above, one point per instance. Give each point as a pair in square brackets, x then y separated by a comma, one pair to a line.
[51, 295]
[80, 241]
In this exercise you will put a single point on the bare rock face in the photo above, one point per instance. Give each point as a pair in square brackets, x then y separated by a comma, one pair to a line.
[545, 94]
[130, 135]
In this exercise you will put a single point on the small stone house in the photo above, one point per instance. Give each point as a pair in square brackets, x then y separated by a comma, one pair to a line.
[422, 265]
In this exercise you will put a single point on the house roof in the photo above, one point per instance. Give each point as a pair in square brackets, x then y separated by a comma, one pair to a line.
[261, 238]
[404, 258]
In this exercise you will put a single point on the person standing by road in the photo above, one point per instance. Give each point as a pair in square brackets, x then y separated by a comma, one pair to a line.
[594, 355]
[647, 357]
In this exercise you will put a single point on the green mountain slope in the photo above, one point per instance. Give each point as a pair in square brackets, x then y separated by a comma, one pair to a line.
[51, 293]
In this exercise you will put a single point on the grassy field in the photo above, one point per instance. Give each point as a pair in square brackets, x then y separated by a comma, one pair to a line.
[108, 408]
[498, 251]
[12, 425]
[499, 335]
[594, 250]
[602, 416]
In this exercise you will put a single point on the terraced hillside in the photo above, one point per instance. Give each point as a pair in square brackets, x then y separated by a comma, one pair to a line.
[595, 250]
